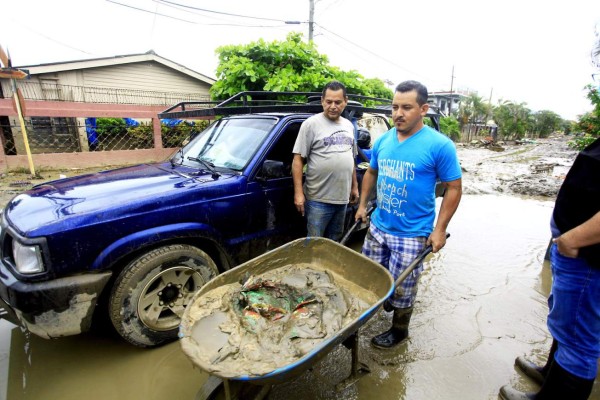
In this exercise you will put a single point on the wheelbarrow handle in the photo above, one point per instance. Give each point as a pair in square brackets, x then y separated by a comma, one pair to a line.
[353, 227]
[414, 263]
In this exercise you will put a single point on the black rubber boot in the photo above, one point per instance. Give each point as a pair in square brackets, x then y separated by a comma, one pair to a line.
[398, 332]
[550, 358]
[561, 384]
[533, 371]
[536, 372]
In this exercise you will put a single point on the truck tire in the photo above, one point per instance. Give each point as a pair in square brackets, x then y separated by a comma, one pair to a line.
[151, 293]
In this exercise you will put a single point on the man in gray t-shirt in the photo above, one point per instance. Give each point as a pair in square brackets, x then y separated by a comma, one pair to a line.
[326, 145]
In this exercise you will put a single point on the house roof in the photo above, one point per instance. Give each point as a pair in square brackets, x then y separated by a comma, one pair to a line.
[116, 60]
[447, 94]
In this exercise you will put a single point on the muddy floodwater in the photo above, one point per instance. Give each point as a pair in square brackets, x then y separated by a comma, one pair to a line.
[481, 303]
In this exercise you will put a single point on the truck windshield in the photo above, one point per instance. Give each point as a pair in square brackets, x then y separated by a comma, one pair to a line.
[227, 143]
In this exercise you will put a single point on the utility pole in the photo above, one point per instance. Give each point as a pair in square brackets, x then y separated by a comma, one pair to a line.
[490, 101]
[13, 73]
[311, 19]
[451, 85]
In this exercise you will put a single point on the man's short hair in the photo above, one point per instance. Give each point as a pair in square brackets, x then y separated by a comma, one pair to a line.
[335, 86]
[408, 86]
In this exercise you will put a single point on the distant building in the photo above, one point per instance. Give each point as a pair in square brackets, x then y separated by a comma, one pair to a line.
[447, 102]
[127, 79]
[59, 97]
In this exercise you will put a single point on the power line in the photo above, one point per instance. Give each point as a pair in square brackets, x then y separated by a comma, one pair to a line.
[369, 51]
[334, 2]
[150, 12]
[194, 22]
[344, 45]
[188, 9]
[49, 38]
[226, 13]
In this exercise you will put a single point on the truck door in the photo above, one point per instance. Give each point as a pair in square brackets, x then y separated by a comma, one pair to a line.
[272, 183]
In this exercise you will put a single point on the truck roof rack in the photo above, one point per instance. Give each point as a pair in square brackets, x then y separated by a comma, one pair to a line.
[252, 102]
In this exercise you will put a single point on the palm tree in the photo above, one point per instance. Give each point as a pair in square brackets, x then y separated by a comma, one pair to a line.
[472, 113]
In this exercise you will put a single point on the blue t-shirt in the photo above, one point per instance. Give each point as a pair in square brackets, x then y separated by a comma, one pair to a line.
[407, 175]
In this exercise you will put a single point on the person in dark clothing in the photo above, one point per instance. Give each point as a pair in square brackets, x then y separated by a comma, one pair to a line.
[574, 302]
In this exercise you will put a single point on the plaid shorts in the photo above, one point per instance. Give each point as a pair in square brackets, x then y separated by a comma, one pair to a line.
[396, 253]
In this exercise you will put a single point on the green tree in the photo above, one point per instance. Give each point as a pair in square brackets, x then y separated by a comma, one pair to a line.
[465, 112]
[589, 123]
[472, 114]
[512, 118]
[546, 122]
[289, 65]
[450, 127]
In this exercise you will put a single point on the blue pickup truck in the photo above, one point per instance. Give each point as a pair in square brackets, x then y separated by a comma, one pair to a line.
[135, 243]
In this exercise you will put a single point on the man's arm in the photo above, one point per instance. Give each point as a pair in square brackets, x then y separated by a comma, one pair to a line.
[354, 190]
[450, 202]
[368, 183]
[297, 167]
[582, 235]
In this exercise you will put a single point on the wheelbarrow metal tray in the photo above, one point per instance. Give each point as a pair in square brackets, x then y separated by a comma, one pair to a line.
[324, 254]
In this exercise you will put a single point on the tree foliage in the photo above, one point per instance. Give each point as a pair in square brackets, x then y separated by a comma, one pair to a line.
[513, 119]
[472, 114]
[289, 65]
[450, 127]
[295, 65]
[589, 123]
[546, 122]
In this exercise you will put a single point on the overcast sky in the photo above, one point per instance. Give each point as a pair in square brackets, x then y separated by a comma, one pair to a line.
[527, 51]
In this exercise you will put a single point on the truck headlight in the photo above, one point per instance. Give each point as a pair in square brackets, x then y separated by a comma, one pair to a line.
[28, 259]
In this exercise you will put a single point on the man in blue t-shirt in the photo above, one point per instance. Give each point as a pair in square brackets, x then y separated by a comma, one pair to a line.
[406, 162]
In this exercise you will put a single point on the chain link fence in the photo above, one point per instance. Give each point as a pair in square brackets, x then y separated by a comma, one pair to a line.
[67, 135]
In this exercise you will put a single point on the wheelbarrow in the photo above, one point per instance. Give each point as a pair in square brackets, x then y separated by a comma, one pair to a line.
[323, 253]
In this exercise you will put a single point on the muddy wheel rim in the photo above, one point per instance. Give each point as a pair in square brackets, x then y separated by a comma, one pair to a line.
[163, 300]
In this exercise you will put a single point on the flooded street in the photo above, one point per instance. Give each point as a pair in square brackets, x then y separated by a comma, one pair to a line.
[481, 303]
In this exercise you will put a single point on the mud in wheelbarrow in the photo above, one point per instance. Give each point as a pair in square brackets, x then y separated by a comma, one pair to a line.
[322, 254]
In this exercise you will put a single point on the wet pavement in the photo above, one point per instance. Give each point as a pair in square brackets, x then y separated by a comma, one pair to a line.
[481, 303]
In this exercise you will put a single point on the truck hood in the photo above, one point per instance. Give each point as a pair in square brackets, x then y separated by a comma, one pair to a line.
[105, 195]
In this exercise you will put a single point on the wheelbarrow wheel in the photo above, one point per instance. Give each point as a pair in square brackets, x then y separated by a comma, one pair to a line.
[214, 389]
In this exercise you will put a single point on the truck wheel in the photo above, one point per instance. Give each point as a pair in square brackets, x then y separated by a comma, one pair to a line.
[149, 296]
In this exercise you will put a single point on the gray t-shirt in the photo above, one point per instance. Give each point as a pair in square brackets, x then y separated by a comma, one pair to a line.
[329, 149]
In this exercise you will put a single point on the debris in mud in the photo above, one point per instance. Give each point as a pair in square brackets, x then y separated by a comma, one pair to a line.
[543, 168]
[529, 168]
[270, 321]
[535, 186]
[488, 143]
[19, 183]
